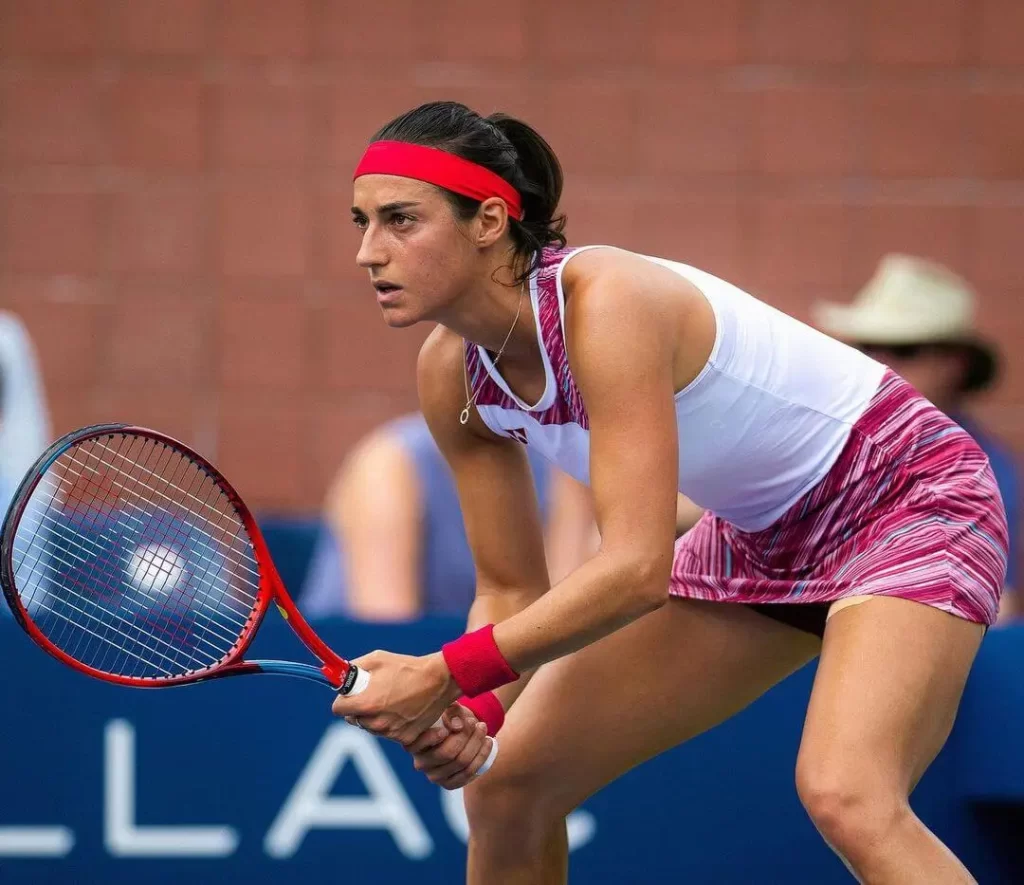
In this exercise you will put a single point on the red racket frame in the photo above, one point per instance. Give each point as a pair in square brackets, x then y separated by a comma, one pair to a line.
[334, 668]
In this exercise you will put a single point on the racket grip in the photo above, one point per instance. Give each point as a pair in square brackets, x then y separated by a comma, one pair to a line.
[359, 684]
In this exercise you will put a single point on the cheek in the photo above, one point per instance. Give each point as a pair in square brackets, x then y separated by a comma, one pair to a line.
[438, 262]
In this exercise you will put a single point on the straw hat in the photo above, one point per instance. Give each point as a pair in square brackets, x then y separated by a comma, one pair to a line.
[913, 301]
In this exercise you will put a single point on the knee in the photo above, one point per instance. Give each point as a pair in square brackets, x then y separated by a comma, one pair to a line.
[514, 810]
[853, 810]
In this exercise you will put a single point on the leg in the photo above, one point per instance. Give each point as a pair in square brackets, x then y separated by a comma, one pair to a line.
[646, 688]
[884, 700]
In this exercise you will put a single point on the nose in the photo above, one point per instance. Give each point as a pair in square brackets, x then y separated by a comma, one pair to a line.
[370, 252]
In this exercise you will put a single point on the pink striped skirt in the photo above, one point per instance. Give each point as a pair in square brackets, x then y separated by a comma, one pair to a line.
[910, 509]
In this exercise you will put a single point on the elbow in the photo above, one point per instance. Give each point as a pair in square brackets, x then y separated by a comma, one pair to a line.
[649, 578]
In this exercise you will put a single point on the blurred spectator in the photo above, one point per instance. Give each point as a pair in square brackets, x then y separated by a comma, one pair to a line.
[394, 546]
[24, 418]
[917, 317]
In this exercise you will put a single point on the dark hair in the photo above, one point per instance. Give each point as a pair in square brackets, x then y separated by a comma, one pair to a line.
[509, 148]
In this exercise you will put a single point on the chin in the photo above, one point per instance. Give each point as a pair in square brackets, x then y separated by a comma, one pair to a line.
[397, 318]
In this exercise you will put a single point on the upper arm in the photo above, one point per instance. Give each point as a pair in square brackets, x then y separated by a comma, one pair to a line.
[621, 348]
[374, 507]
[492, 476]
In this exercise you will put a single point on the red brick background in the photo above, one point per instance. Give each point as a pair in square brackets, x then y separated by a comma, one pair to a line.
[175, 176]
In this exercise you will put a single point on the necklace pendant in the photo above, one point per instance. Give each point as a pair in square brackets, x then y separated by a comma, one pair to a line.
[464, 416]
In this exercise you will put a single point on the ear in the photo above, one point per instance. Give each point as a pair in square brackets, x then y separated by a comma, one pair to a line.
[491, 222]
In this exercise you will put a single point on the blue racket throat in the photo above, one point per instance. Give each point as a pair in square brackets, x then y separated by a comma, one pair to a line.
[288, 668]
[355, 681]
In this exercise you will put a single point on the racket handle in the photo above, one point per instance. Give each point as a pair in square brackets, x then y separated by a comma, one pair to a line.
[362, 680]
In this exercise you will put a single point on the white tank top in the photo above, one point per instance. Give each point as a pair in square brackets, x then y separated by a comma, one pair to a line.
[759, 426]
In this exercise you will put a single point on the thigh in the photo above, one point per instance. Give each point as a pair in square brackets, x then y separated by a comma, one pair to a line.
[888, 685]
[587, 718]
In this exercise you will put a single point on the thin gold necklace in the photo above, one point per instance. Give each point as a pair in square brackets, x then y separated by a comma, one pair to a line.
[471, 398]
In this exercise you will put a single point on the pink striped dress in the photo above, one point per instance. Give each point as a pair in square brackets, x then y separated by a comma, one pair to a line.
[843, 482]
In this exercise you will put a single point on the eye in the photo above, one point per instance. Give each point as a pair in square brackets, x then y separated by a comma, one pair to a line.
[359, 221]
[401, 220]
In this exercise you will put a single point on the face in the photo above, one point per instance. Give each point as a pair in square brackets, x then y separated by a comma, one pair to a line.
[936, 372]
[420, 257]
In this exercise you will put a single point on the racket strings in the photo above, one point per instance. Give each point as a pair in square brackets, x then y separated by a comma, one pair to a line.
[161, 571]
[157, 579]
[78, 613]
[212, 544]
[131, 558]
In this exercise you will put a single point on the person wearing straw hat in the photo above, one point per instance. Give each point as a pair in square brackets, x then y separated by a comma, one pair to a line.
[917, 317]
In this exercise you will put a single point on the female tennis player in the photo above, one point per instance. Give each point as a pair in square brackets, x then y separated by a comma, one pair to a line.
[845, 515]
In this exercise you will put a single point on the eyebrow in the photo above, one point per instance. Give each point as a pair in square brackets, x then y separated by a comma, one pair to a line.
[388, 207]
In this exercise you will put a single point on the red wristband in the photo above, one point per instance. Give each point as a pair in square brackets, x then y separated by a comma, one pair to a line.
[487, 708]
[476, 663]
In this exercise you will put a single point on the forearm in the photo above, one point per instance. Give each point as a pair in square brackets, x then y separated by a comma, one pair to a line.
[493, 608]
[603, 595]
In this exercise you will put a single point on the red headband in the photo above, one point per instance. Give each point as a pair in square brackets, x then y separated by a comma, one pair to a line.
[438, 167]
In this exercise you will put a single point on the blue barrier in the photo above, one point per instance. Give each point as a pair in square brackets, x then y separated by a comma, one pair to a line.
[252, 781]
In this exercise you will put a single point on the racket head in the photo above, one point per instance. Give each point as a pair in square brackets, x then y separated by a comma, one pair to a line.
[129, 557]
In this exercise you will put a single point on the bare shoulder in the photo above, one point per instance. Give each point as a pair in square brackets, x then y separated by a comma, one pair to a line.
[612, 288]
[442, 384]
[594, 264]
[610, 280]
[623, 309]
[440, 362]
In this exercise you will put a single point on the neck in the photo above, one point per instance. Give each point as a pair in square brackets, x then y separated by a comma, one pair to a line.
[484, 316]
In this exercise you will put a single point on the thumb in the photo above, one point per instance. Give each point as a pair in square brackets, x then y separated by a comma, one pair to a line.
[351, 705]
[368, 661]
[454, 718]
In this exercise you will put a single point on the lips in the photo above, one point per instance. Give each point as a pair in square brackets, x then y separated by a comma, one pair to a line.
[386, 291]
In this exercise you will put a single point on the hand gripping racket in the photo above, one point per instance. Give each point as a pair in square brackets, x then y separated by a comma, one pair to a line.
[130, 558]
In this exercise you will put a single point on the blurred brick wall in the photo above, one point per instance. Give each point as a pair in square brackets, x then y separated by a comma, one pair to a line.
[176, 177]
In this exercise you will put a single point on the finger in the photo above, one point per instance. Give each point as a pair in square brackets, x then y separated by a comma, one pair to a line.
[456, 781]
[378, 725]
[465, 758]
[367, 661]
[457, 717]
[349, 705]
[469, 773]
[429, 739]
[444, 753]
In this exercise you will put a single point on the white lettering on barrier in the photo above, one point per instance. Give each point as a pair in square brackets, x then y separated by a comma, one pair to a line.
[122, 836]
[36, 841]
[310, 805]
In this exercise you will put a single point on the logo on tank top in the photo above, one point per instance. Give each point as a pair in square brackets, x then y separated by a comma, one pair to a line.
[519, 434]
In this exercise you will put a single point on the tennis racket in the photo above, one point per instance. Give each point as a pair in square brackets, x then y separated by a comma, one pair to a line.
[130, 558]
